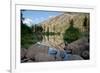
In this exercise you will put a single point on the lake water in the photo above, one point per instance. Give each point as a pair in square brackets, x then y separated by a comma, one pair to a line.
[54, 40]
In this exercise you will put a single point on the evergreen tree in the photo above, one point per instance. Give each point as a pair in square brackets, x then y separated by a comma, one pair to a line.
[71, 34]
[26, 33]
[85, 23]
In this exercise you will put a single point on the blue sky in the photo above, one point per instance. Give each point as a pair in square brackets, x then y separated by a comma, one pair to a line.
[35, 16]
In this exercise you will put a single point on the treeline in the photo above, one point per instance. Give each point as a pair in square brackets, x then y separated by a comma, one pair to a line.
[30, 35]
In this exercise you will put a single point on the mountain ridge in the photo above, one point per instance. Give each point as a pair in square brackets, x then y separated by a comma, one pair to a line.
[61, 22]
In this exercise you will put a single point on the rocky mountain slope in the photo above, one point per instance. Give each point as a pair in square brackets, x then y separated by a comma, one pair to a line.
[61, 23]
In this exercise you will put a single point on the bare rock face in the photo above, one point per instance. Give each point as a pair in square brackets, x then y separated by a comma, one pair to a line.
[34, 50]
[61, 22]
[23, 53]
[41, 57]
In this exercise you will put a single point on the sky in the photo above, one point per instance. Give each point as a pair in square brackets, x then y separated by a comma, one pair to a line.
[35, 16]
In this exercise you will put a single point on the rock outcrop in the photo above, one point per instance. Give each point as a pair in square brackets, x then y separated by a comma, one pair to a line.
[36, 49]
[42, 57]
[80, 47]
[23, 53]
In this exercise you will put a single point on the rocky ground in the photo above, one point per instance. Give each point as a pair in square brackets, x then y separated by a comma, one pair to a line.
[43, 52]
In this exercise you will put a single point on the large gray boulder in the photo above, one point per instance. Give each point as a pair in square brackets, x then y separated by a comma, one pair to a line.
[42, 57]
[34, 50]
[80, 47]
[73, 57]
[23, 53]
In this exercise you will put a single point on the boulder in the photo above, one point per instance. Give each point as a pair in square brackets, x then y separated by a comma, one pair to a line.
[52, 51]
[73, 57]
[79, 46]
[23, 53]
[41, 57]
[35, 50]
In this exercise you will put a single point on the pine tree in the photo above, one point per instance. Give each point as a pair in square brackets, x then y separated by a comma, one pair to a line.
[71, 34]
